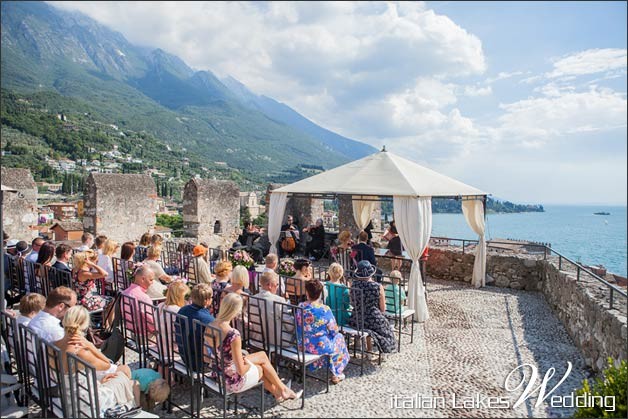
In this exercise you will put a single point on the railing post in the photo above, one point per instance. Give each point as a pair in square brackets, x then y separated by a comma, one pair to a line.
[560, 263]
[611, 302]
[544, 252]
[577, 272]
[463, 246]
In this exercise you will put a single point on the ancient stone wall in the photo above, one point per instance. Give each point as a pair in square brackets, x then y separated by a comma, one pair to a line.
[304, 210]
[345, 216]
[211, 210]
[120, 206]
[582, 305]
[19, 209]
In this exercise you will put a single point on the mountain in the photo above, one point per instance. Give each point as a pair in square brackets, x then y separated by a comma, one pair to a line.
[48, 50]
[283, 113]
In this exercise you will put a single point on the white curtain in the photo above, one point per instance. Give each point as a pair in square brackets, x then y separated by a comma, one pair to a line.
[473, 210]
[362, 210]
[413, 218]
[275, 217]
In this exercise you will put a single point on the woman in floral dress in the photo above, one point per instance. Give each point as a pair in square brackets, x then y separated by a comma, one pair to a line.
[320, 332]
[85, 272]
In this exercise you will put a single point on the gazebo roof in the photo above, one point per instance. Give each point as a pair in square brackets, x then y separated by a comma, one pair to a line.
[381, 174]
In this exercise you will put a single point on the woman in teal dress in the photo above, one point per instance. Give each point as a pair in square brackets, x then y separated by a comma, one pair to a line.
[320, 332]
[338, 298]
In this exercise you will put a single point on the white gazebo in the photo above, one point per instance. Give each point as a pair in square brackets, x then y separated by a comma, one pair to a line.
[411, 186]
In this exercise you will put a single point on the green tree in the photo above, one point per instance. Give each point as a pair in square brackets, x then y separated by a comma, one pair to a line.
[613, 383]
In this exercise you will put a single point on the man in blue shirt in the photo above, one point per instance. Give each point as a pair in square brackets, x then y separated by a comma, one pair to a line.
[192, 350]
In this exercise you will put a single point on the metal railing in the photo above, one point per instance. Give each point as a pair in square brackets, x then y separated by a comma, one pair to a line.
[547, 252]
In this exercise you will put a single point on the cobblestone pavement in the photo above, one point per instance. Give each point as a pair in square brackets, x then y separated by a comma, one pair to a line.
[472, 340]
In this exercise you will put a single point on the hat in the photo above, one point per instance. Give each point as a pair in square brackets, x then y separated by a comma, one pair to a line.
[11, 244]
[199, 250]
[22, 247]
[364, 269]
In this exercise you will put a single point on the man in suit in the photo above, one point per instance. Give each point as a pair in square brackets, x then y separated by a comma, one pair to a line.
[364, 251]
[63, 252]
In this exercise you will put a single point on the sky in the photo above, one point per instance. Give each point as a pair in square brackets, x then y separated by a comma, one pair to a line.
[524, 100]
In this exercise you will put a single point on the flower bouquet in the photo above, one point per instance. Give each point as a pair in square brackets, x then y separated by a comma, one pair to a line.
[286, 267]
[241, 257]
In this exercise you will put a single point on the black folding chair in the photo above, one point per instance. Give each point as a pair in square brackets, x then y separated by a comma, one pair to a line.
[57, 398]
[178, 358]
[132, 326]
[212, 377]
[290, 347]
[35, 385]
[83, 388]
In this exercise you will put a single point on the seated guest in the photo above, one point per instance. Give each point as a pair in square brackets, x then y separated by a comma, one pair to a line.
[269, 282]
[239, 281]
[47, 323]
[142, 247]
[363, 250]
[127, 251]
[371, 308]
[395, 249]
[315, 247]
[44, 257]
[395, 294]
[203, 275]
[250, 233]
[87, 240]
[63, 253]
[153, 388]
[295, 285]
[99, 243]
[85, 272]
[156, 240]
[143, 279]
[157, 288]
[191, 352]
[388, 234]
[338, 298]
[117, 378]
[320, 332]
[223, 275]
[30, 305]
[176, 297]
[243, 372]
[104, 259]
[272, 261]
[35, 245]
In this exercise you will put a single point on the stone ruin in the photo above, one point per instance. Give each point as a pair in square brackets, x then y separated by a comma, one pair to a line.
[120, 206]
[305, 210]
[346, 221]
[19, 209]
[211, 211]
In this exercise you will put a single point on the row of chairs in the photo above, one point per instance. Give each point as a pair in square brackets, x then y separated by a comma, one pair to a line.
[24, 275]
[61, 388]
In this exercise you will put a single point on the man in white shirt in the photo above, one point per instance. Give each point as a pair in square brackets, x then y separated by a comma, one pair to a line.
[36, 245]
[269, 282]
[47, 323]
[88, 241]
[271, 266]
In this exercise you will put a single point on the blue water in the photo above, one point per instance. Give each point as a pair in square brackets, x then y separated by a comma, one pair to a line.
[572, 230]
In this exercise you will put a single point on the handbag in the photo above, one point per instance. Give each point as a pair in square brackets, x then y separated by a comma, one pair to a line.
[113, 347]
[122, 411]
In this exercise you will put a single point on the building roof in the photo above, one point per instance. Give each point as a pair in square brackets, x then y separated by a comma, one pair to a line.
[126, 181]
[68, 225]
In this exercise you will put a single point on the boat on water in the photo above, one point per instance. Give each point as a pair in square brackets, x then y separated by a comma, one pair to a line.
[601, 213]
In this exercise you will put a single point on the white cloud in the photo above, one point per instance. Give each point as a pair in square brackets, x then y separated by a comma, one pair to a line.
[478, 90]
[590, 61]
[504, 75]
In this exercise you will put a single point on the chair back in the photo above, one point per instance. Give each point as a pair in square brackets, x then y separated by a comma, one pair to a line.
[286, 339]
[213, 357]
[257, 336]
[295, 288]
[121, 278]
[339, 301]
[11, 336]
[140, 253]
[33, 278]
[32, 364]
[17, 279]
[180, 349]
[131, 325]
[57, 399]
[83, 388]
[356, 314]
[191, 271]
[152, 343]
[343, 257]
[58, 278]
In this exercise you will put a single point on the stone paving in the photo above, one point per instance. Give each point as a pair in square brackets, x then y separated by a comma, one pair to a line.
[473, 340]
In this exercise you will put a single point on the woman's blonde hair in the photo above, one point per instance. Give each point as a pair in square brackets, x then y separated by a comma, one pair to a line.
[175, 296]
[153, 251]
[230, 307]
[335, 272]
[158, 391]
[223, 266]
[395, 276]
[76, 320]
[240, 276]
[344, 236]
[110, 247]
[80, 258]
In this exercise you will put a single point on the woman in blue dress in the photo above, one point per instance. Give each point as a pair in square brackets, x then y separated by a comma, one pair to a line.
[320, 332]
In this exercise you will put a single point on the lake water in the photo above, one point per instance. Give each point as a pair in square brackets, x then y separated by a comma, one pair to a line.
[572, 230]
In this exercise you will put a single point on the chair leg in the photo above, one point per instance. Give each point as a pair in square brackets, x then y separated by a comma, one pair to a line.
[303, 377]
[261, 412]
[235, 402]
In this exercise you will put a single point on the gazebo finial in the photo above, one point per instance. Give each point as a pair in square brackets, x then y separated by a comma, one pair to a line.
[384, 149]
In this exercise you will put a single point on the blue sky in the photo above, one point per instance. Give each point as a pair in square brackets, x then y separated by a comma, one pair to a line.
[525, 100]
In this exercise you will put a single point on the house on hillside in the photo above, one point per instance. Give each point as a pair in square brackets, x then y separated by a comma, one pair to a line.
[63, 210]
[67, 230]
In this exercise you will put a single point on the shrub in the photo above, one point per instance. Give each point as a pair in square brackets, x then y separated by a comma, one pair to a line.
[614, 382]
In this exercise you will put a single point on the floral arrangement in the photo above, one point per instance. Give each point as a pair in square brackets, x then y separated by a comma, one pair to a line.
[131, 268]
[241, 257]
[286, 267]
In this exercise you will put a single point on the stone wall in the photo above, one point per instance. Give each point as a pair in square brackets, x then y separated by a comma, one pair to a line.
[582, 306]
[304, 210]
[346, 221]
[120, 206]
[211, 211]
[19, 209]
